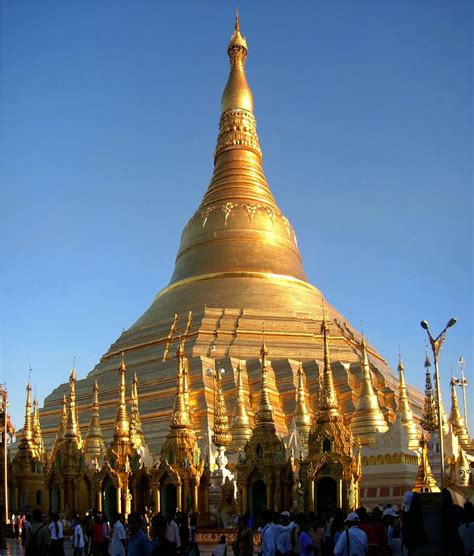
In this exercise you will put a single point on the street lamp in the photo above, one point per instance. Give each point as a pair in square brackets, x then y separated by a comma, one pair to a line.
[436, 344]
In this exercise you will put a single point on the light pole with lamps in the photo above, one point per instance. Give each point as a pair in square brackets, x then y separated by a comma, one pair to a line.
[436, 344]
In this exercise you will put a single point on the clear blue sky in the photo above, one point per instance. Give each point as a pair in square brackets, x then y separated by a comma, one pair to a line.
[109, 115]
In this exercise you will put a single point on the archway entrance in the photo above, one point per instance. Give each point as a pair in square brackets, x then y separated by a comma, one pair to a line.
[110, 499]
[168, 498]
[55, 500]
[326, 493]
[257, 497]
[142, 495]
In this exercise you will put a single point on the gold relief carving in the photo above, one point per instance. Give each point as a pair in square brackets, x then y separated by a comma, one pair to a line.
[251, 210]
[226, 210]
[287, 224]
[271, 213]
[205, 214]
[237, 127]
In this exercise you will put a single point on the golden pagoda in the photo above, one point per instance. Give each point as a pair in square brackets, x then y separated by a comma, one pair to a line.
[404, 409]
[425, 481]
[456, 420]
[94, 445]
[238, 265]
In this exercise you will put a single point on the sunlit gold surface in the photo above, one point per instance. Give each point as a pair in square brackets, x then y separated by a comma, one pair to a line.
[456, 420]
[94, 445]
[404, 409]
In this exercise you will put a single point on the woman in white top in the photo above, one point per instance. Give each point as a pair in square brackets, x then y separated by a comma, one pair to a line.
[57, 537]
[78, 540]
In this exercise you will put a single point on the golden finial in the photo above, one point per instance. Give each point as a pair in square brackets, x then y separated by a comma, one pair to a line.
[429, 421]
[367, 419]
[455, 418]
[137, 436]
[28, 429]
[241, 429]
[404, 410]
[37, 433]
[237, 93]
[221, 436]
[328, 405]
[264, 416]
[122, 424]
[180, 417]
[72, 428]
[94, 445]
[301, 415]
[425, 482]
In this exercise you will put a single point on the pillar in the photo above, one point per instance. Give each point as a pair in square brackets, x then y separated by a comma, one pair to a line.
[157, 500]
[62, 497]
[269, 496]
[195, 498]
[339, 493]
[179, 496]
[98, 497]
[206, 498]
[310, 495]
[119, 500]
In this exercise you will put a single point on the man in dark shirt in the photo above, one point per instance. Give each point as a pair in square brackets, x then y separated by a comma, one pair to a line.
[161, 546]
[138, 544]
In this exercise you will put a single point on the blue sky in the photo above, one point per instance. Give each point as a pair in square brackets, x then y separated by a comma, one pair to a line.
[109, 114]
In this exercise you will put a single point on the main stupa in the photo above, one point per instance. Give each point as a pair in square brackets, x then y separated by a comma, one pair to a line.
[238, 275]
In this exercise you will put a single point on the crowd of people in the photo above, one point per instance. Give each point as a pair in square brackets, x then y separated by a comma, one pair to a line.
[385, 531]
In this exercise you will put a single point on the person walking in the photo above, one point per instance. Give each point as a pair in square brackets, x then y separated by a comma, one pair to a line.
[119, 537]
[138, 544]
[353, 541]
[78, 539]
[56, 534]
[37, 536]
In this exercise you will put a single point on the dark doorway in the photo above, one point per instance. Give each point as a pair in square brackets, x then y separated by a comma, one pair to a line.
[55, 500]
[142, 495]
[326, 493]
[110, 499]
[258, 497]
[168, 498]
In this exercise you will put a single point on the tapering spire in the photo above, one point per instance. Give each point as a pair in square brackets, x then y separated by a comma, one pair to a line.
[328, 405]
[122, 424]
[429, 421]
[404, 410]
[301, 415]
[455, 418]
[444, 417]
[37, 433]
[180, 418]
[221, 436]
[137, 436]
[72, 427]
[367, 418]
[241, 429]
[94, 445]
[425, 481]
[61, 429]
[28, 429]
[264, 416]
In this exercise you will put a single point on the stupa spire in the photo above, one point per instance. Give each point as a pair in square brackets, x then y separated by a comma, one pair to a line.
[264, 416]
[37, 433]
[94, 445]
[425, 481]
[72, 431]
[221, 436]
[429, 420]
[404, 410]
[28, 429]
[455, 418]
[61, 429]
[367, 418]
[301, 415]
[137, 437]
[328, 405]
[122, 423]
[241, 429]
[180, 418]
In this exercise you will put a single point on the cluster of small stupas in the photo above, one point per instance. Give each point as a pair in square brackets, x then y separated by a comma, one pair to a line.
[293, 426]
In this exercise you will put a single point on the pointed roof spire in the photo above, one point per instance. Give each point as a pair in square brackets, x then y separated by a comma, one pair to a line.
[94, 445]
[221, 436]
[72, 428]
[455, 418]
[425, 481]
[241, 429]
[328, 404]
[301, 415]
[404, 410]
[264, 415]
[429, 421]
[180, 417]
[137, 436]
[122, 424]
[37, 433]
[28, 429]
[367, 418]
[61, 430]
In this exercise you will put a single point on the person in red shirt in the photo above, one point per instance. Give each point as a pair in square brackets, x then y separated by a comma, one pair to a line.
[98, 535]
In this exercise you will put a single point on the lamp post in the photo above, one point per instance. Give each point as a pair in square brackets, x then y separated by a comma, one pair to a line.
[436, 344]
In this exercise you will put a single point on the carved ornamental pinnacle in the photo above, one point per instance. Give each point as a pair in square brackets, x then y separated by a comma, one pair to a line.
[28, 429]
[241, 429]
[37, 433]
[180, 417]
[404, 410]
[301, 415]
[221, 436]
[328, 406]
[455, 418]
[94, 445]
[264, 416]
[429, 421]
[72, 427]
[122, 424]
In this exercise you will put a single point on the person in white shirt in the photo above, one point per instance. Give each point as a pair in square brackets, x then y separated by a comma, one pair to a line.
[118, 537]
[78, 540]
[172, 531]
[270, 532]
[352, 541]
[283, 540]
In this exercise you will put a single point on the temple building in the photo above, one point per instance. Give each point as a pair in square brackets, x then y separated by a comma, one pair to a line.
[273, 398]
